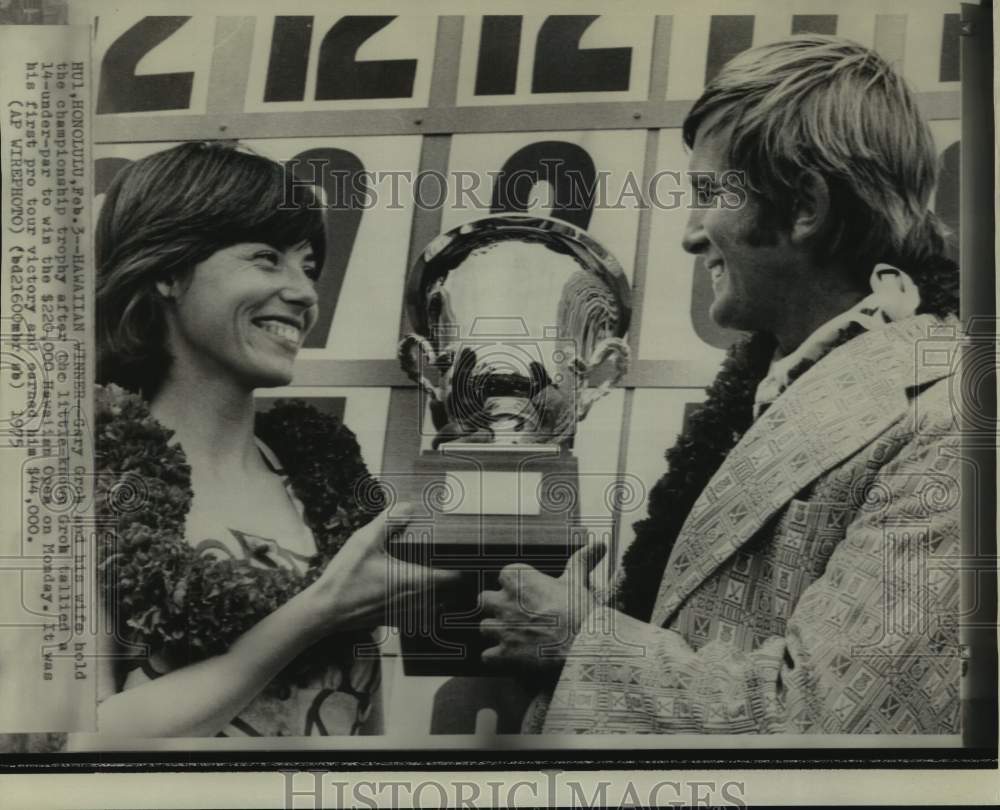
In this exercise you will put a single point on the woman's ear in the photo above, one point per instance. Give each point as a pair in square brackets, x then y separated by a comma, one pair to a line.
[167, 287]
[812, 208]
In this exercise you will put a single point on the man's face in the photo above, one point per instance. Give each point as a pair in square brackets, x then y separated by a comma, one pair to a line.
[755, 270]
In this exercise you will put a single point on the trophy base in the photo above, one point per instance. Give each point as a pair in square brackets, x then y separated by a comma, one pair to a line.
[506, 505]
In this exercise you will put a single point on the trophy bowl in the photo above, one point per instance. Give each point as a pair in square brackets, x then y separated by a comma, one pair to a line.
[518, 329]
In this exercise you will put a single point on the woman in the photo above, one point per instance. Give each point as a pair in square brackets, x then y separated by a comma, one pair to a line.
[233, 615]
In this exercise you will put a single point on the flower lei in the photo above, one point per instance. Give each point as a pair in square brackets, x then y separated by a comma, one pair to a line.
[188, 607]
[714, 429]
[710, 433]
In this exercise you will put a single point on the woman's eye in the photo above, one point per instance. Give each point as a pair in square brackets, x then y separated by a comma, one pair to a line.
[312, 272]
[269, 256]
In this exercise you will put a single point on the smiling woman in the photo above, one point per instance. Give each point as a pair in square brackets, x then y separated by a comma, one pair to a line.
[178, 210]
[246, 568]
[241, 313]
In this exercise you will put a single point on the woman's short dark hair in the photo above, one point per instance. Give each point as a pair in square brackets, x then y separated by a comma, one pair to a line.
[167, 212]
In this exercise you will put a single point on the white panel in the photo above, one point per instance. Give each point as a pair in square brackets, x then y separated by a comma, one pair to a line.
[597, 445]
[488, 492]
[772, 23]
[409, 708]
[688, 48]
[657, 420]
[922, 61]
[857, 24]
[945, 133]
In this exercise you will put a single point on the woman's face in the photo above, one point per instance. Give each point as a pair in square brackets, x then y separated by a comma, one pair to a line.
[242, 314]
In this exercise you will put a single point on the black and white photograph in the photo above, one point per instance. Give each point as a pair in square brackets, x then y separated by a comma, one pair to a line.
[476, 391]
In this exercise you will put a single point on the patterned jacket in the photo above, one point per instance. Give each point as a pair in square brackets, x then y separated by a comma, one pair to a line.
[840, 615]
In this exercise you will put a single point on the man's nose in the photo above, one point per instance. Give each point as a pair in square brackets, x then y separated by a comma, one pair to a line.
[694, 239]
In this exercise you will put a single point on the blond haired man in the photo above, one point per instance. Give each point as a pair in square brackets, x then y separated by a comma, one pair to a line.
[796, 570]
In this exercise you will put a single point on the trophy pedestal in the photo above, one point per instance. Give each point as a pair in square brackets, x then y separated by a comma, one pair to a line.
[490, 506]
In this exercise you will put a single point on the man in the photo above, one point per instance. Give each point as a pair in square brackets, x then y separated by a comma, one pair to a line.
[796, 572]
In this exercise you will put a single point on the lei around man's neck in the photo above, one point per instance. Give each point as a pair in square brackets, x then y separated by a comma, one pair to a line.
[186, 607]
[709, 434]
[715, 429]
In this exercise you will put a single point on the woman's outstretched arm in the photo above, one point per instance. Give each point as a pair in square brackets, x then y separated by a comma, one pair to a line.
[360, 588]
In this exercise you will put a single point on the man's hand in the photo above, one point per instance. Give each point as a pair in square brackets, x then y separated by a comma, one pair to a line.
[534, 617]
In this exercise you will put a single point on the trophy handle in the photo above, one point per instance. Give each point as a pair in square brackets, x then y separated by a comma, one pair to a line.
[416, 353]
[613, 351]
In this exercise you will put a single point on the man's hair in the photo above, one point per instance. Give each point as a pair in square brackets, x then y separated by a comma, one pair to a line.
[167, 212]
[828, 105]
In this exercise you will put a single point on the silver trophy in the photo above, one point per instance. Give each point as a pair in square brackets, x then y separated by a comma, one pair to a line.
[518, 329]
[519, 323]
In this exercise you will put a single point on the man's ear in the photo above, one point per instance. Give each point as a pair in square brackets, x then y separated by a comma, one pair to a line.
[812, 208]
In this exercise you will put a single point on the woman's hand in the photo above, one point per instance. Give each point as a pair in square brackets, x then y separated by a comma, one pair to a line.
[364, 586]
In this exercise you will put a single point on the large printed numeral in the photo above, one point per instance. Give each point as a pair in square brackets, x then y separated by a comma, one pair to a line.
[121, 91]
[562, 66]
[342, 177]
[105, 170]
[568, 168]
[728, 35]
[289, 61]
[499, 45]
[947, 199]
[950, 66]
[339, 74]
[506, 698]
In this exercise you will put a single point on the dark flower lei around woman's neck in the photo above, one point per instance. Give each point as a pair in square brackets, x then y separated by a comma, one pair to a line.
[715, 428]
[188, 607]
